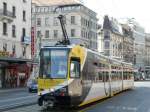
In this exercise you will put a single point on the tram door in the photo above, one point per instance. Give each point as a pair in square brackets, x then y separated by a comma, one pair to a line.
[106, 83]
[75, 75]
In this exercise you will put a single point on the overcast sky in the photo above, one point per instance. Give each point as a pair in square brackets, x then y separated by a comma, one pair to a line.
[138, 9]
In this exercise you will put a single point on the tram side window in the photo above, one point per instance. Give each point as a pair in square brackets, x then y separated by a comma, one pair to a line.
[100, 76]
[113, 75]
[75, 69]
[107, 76]
[125, 75]
[129, 75]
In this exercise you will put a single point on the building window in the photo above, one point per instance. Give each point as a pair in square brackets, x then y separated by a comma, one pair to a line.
[24, 15]
[46, 21]
[55, 21]
[13, 31]
[81, 33]
[55, 33]
[72, 32]
[14, 11]
[72, 19]
[24, 1]
[23, 34]
[64, 20]
[39, 21]
[4, 8]
[5, 47]
[13, 50]
[4, 28]
[47, 34]
[106, 35]
[107, 45]
[82, 21]
[38, 33]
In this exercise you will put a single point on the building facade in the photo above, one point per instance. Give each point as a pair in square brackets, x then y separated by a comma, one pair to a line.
[116, 40]
[112, 38]
[80, 23]
[15, 49]
[128, 44]
[147, 49]
[147, 55]
[138, 33]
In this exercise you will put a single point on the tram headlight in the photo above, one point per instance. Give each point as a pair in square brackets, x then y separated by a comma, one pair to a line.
[52, 90]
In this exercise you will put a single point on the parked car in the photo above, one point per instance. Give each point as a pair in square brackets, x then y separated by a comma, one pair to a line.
[32, 86]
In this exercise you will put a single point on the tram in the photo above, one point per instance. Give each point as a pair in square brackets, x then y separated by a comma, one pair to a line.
[73, 76]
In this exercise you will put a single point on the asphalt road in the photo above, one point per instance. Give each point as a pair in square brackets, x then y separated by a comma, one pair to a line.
[15, 98]
[137, 100]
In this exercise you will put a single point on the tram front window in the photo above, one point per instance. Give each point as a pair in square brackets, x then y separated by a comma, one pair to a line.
[53, 63]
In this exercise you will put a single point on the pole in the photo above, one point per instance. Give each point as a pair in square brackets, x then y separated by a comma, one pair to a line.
[66, 39]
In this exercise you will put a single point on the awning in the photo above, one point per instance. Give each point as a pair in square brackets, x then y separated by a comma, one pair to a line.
[14, 60]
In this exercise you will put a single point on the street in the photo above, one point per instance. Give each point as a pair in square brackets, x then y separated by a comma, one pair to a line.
[136, 100]
[16, 97]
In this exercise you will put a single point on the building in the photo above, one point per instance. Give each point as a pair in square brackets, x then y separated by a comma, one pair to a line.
[147, 55]
[138, 33]
[116, 40]
[15, 49]
[128, 44]
[56, 2]
[112, 38]
[80, 22]
[100, 40]
[147, 50]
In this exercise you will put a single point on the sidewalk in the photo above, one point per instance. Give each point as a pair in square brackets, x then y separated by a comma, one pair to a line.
[13, 90]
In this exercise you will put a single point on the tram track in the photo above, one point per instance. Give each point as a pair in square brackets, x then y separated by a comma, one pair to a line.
[13, 101]
[16, 105]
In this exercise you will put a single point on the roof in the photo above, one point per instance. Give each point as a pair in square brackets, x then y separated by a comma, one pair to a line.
[113, 25]
[55, 2]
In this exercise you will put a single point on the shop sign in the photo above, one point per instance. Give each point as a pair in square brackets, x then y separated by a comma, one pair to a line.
[26, 40]
[22, 74]
[4, 54]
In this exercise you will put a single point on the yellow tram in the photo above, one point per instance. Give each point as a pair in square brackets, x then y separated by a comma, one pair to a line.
[72, 75]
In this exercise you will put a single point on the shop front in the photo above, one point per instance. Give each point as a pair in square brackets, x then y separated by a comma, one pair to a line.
[17, 75]
[14, 72]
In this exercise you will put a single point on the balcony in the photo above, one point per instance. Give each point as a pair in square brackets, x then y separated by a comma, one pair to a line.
[6, 16]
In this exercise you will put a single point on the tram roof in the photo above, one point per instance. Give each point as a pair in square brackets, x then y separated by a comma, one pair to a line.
[58, 46]
[111, 59]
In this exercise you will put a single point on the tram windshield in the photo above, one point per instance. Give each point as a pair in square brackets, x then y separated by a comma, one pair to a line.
[53, 63]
